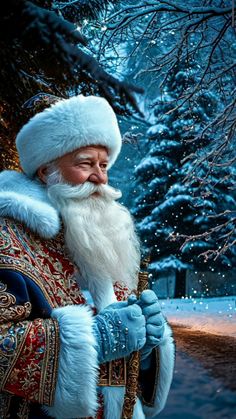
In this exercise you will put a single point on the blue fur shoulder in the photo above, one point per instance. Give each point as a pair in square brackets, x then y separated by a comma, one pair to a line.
[26, 200]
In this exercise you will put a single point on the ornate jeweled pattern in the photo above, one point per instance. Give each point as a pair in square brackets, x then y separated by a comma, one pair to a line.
[44, 261]
[9, 311]
[12, 337]
[31, 368]
[113, 373]
[122, 291]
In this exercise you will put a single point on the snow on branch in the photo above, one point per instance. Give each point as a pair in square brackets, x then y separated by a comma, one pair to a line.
[225, 232]
[81, 9]
[196, 32]
[55, 47]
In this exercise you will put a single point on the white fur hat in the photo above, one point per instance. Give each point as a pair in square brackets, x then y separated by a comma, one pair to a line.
[65, 126]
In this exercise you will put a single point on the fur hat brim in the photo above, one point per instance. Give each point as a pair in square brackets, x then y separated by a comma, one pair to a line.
[66, 126]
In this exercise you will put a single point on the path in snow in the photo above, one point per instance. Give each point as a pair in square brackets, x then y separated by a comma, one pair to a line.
[204, 384]
[216, 353]
[195, 394]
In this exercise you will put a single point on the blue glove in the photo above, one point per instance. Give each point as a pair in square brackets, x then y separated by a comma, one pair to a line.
[155, 322]
[119, 330]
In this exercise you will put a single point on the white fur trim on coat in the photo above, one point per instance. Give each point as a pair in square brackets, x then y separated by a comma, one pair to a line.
[166, 352]
[27, 201]
[113, 403]
[76, 391]
[66, 126]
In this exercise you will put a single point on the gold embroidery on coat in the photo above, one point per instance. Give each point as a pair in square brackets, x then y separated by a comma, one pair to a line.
[8, 309]
[23, 412]
[45, 262]
[4, 405]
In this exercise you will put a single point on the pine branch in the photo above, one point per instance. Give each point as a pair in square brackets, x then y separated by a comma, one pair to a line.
[52, 43]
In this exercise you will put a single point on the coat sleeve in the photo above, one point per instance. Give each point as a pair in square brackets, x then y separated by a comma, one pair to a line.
[46, 360]
[28, 348]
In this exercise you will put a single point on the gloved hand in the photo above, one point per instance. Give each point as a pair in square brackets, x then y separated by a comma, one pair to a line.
[155, 322]
[119, 330]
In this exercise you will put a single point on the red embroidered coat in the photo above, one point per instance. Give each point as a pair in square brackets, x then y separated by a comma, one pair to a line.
[32, 272]
[45, 356]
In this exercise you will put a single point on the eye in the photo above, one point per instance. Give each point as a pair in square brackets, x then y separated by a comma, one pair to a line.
[103, 166]
[84, 163]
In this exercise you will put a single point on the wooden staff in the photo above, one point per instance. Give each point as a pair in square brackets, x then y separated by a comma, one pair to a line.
[134, 361]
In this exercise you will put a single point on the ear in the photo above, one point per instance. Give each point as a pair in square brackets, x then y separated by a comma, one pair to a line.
[42, 173]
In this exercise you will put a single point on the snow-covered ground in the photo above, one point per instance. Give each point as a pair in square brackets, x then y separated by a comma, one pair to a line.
[195, 394]
[210, 315]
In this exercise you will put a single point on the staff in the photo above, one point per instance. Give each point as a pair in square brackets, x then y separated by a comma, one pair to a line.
[134, 361]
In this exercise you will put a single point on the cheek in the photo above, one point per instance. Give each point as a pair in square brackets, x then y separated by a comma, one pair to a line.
[106, 178]
[74, 175]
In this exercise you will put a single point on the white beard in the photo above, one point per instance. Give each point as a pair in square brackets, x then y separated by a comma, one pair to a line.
[99, 234]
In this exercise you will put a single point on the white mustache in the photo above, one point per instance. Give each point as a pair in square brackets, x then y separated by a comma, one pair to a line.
[62, 191]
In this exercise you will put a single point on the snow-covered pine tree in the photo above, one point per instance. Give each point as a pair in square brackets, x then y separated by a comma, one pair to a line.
[168, 203]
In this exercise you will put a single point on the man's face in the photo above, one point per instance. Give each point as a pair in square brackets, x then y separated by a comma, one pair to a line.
[87, 164]
[95, 229]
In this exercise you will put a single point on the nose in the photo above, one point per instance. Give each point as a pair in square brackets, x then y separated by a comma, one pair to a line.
[98, 176]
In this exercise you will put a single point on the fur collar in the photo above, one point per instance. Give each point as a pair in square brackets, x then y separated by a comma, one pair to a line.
[26, 201]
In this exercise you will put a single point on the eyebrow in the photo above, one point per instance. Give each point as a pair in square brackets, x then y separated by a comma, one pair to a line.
[81, 156]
